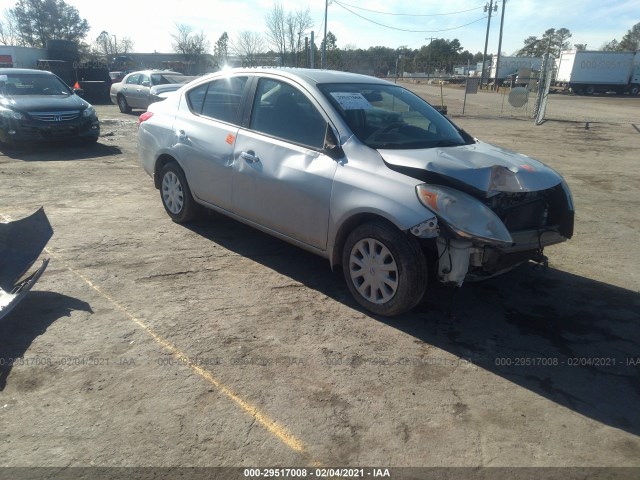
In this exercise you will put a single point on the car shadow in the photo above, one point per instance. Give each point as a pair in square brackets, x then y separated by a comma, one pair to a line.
[30, 319]
[76, 150]
[570, 339]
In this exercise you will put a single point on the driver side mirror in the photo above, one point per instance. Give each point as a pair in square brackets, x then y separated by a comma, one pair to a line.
[146, 83]
[331, 144]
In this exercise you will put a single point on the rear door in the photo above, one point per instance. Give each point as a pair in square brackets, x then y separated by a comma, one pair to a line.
[283, 179]
[139, 96]
[206, 130]
[129, 88]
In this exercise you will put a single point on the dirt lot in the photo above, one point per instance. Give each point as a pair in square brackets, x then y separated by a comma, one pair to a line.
[536, 368]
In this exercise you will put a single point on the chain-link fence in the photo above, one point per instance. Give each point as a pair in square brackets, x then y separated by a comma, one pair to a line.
[535, 98]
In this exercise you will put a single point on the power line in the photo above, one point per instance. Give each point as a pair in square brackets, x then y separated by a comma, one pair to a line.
[411, 14]
[404, 29]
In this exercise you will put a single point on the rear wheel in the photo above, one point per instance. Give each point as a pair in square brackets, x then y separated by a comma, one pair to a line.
[590, 90]
[123, 105]
[175, 194]
[385, 269]
[634, 89]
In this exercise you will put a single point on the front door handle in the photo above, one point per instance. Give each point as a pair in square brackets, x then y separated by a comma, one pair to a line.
[250, 156]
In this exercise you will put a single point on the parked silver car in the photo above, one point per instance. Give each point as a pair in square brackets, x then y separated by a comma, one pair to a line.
[357, 170]
[141, 89]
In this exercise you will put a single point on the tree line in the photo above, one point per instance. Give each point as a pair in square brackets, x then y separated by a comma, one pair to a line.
[285, 42]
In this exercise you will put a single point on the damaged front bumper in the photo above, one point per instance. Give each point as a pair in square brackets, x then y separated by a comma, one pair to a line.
[462, 260]
[21, 243]
[477, 239]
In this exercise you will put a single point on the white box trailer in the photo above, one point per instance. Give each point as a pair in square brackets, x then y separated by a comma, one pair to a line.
[588, 72]
[510, 65]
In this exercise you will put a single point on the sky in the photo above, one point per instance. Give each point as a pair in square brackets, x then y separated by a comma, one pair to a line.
[149, 24]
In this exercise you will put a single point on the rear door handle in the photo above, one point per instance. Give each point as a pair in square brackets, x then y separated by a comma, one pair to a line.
[250, 156]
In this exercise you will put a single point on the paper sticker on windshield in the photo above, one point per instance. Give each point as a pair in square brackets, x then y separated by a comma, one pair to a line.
[3, 78]
[351, 101]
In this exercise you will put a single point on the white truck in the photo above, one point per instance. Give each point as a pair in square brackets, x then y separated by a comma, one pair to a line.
[511, 65]
[589, 72]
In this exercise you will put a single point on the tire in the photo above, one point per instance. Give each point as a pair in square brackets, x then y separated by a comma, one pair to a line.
[123, 105]
[90, 140]
[6, 143]
[590, 90]
[400, 284]
[175, 194]
[634, 89]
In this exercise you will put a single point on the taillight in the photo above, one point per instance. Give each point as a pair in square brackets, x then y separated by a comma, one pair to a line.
[144, 117]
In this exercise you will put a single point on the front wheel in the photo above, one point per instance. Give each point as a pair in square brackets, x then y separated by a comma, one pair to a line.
[385, 269]
[175, 194]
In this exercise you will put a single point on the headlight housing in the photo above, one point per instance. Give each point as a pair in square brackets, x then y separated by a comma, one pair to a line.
[89, 112]
[8, 113]
[466, 216]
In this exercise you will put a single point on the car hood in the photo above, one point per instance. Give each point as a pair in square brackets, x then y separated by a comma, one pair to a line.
[36, 103]
[481, 166]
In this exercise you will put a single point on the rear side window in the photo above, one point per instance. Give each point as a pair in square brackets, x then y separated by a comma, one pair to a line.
[219, 99]
[133, 79]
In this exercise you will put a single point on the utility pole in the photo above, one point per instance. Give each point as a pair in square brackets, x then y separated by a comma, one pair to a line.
[429, 56]
[324, 43]
[500, 43]
[490, 9]
[312, 55]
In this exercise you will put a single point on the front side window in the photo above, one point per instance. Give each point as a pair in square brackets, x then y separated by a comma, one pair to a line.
[388, 116]
[283, 111]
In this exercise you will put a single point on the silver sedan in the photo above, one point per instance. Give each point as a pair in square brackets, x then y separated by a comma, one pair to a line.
[357, 170]
[141, 89]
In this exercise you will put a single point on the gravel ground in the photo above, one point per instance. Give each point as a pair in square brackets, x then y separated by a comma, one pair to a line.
[147, 343]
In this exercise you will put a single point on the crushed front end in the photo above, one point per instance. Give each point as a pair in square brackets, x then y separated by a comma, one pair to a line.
[479, 237]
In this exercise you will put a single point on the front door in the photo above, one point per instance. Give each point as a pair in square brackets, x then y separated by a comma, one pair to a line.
[283, 179]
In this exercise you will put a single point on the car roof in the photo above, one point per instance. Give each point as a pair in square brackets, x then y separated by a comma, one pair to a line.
[306, 75]
[161, 72]
[22, 71]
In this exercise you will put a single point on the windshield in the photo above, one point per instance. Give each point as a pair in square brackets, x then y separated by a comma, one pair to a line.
[32, 84]
[391, 117]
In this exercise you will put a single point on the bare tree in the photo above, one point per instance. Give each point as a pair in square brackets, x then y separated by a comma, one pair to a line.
[189, 44]
[277, 31]
[248, 46]
[297, 24]
[9, 34]
[108, 45]
[221, 49]
[285, 32]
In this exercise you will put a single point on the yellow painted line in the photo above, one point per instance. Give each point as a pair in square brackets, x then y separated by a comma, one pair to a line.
[284, 435]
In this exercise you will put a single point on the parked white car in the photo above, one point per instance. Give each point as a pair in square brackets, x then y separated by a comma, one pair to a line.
[141, 89]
